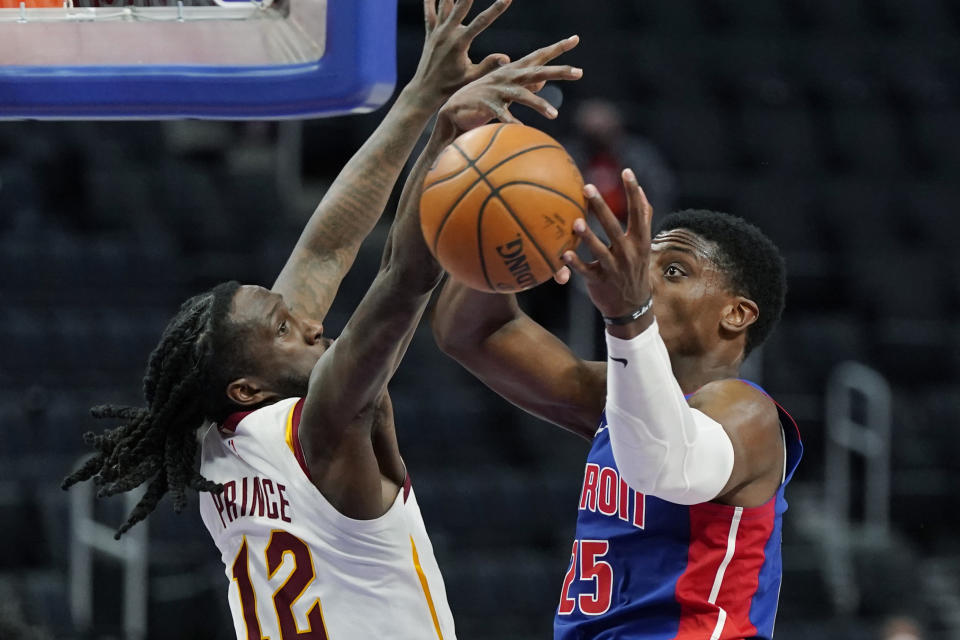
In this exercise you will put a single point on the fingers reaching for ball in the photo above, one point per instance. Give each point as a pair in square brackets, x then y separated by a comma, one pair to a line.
[616, 278]
[491, 95]
[551, 51]
[639, 210]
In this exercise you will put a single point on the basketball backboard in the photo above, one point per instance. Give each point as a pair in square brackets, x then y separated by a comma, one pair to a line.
[223, 59]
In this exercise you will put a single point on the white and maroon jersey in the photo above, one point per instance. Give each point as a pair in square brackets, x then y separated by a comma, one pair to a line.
[297, 567]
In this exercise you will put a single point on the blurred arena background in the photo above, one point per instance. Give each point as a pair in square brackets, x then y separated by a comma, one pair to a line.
[833, 125]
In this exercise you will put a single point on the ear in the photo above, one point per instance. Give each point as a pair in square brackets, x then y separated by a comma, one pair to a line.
[739, 315]
[249, 392]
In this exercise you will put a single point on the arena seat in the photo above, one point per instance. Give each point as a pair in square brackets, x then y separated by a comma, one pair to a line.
[672, 17]
[824, 15]
[913, 80]
[495, 592]
[865, 141]
[928, 215]
[859, 215]
[786, 209]
[919, 17]
[517, 508]
[765, 18]
[937, 133]
[691, 137]
[780, 140]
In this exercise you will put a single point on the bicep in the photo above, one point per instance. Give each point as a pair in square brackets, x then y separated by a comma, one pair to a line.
[531, 368]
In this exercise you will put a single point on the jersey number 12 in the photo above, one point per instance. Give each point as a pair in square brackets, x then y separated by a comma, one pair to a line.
[280, 544]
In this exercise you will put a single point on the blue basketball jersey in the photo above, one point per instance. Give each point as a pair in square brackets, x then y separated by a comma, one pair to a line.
[644, 568]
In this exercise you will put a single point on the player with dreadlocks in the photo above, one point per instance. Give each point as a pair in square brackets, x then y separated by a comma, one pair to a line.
[200, 350]
[181, 390]
[303, 487]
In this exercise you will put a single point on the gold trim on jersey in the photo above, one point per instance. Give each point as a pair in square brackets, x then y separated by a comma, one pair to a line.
[426, 588]
[290, 429]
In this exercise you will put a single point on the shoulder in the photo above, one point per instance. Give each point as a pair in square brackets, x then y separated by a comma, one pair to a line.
[739, 406]
[277, 414]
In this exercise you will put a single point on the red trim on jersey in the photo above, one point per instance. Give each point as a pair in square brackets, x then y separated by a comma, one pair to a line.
[710, 526]
[779, 406]
[792, 421]
[230, 424]
[295, 430]
[406, 486]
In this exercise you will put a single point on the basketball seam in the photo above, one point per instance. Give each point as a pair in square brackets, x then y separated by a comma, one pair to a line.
[516, 219]
[481, 178]
[533, 240]
[454, 175]
[446, 216]
[495, 191]
[483, 261]
[546, 188]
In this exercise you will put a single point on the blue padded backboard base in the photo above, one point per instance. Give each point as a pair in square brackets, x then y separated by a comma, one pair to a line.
[356, 73]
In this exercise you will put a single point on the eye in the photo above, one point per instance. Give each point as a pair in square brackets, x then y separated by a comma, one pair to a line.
[673, 271]
[283, 328]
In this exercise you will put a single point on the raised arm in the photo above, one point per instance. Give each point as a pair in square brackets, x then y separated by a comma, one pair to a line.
[350, 377]
[351, 207]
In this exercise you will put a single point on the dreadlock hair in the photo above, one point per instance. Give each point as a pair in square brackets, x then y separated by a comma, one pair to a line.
[750, 260]
[187, 373]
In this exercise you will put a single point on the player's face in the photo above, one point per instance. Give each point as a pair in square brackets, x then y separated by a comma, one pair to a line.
[284, 344]
[690, 292]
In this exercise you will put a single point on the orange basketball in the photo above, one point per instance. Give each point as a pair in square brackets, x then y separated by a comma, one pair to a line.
[498, 207]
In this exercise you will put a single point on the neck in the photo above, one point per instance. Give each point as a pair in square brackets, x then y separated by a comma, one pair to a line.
[692, 372]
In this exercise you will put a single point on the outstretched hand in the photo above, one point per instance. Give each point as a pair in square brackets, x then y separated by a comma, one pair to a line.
[491, 95]
[617, 279]
[445, 63]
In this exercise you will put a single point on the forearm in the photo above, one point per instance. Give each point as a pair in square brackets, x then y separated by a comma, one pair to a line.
[662, 446]
[379, 331]
[357, 197]
[365, 356]
[406, 252]
[329, 243]
[464, 318]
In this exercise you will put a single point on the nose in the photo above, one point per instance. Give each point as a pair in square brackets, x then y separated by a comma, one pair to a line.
[313, 332]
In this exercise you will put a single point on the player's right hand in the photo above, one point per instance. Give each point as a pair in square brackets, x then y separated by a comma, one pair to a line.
[491, 95]
[445, 63]
[617, 279]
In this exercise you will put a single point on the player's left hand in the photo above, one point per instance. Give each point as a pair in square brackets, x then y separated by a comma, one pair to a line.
[617, 279]
[445, 63]
[490, 96]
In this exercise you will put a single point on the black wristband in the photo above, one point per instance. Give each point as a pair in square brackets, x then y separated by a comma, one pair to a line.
[630, 317]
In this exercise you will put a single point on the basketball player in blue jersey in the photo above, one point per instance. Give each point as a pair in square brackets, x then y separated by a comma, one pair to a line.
[679, 519]
[302, 485]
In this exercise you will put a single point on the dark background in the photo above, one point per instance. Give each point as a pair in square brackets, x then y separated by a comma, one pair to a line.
[833, 125]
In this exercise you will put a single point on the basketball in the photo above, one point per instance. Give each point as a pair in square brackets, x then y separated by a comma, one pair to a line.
[497, 208]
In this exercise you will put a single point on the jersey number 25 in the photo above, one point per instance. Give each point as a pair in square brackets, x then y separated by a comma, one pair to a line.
[586, 558]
